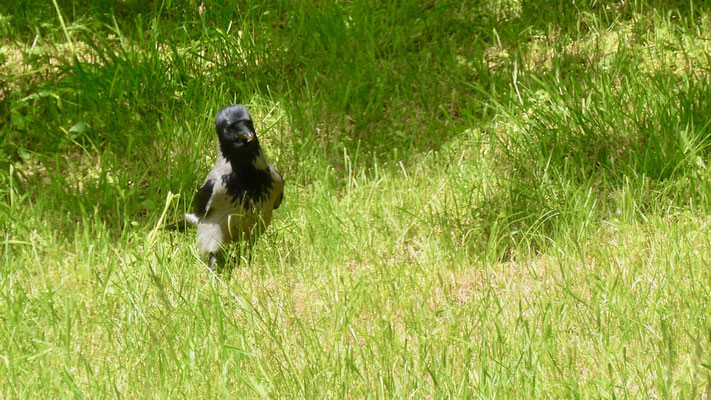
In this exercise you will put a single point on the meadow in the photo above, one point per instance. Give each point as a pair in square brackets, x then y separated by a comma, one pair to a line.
[484, 199]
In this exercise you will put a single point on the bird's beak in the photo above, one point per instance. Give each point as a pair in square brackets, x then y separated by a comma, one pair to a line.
[246, 135]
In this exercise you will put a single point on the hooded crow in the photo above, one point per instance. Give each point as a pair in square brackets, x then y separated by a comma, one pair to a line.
[236, 199]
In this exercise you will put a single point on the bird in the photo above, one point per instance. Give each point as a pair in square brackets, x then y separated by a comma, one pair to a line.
[237, 197]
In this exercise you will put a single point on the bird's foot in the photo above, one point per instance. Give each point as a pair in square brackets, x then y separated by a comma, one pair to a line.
[212, 262]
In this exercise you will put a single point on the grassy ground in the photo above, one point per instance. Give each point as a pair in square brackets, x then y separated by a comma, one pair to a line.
[496, 199]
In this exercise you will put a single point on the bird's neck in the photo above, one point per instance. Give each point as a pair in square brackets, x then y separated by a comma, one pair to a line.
[253, 159]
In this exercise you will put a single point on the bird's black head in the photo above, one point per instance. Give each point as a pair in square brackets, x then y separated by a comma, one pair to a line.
[235, 132]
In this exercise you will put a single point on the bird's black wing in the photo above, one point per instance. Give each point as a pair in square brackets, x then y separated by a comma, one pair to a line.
[277, 202]
[201, 203]
[280, 183]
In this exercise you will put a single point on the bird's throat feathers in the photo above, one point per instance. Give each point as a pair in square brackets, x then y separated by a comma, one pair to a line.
[245, 175]
[240, 159]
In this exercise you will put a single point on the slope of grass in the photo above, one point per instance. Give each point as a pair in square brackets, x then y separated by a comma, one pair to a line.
[502, 199]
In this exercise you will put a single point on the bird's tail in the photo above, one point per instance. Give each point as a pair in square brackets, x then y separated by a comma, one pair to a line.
[182, 225]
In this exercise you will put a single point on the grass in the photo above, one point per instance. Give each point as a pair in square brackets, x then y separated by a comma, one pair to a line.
[496, 199]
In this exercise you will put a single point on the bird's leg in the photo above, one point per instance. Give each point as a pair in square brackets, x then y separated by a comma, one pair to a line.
[212, 262]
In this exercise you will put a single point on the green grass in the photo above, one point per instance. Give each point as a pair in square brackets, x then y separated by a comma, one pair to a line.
[497, 199]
